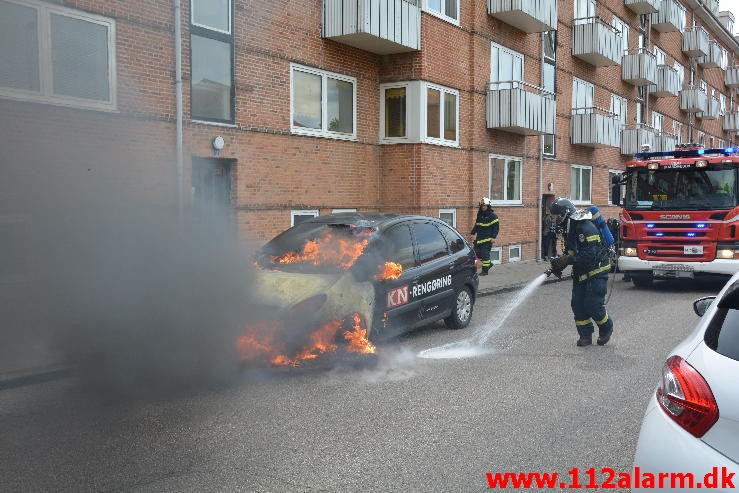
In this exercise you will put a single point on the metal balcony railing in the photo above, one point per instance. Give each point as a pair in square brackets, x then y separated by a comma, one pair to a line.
[378, 26]
[695, 42]
[639, 67]
[596, 42]
[595, 127]
[664, 142]
[712, 110]
[731, 122]
[520, 107]
[731, 77]
[668, 82]
[668, 17]
[530, 16]
[634, 138]
[693, 99]
[642, 7]
[713, 59]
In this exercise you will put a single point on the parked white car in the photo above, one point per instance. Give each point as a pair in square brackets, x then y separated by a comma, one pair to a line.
[690, 432]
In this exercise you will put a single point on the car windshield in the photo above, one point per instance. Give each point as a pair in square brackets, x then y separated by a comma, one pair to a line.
[681, 189]
[314, 247]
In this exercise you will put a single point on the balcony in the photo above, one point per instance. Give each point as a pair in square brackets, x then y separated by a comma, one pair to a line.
[639, 67]
[695, 42]
[642, 7]
[668, 82]
[731, 122]
[383, 27]
[713, 59]
[731, 78]
[521, 108]
[596, 42]
[693, 99]
[594, 127]
[633, 139]
[664, 142]
[668, 17]
[712, 110]
[530, 16]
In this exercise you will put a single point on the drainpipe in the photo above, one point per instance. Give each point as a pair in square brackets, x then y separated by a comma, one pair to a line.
[538, 200]
[178, 99]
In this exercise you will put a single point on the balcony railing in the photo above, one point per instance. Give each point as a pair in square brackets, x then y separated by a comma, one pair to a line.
[378, 26]
[713, 59]
[595, 127]
[664, 142]
[731, 77]
[695, 42]
[731, 122]
[693, 99]
[639, 67]
[712, 110]
[633, 139]
[668, 82]
[642, 7]
[596, 42]
[668, 17]
[519, 107]
[531, 16]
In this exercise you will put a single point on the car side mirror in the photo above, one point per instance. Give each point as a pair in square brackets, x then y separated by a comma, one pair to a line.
[701, 305]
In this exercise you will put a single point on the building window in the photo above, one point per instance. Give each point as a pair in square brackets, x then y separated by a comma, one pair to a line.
[505, 180]
[514, 253]
[611, 175]
[441, 115]
[337, 211]
[495, 255]
[677, 129]
[658, 120]
[582, 95]
[623, 28]
[56, 55]
[584, 9]
[211, 61]
[580, 183]
[660, 55]
[549, 79]
[449, 216]
[445, 9]
[722, 104]
[396, 104]
[323, 103]
[680, 74]
[618, 108]
[505, 65]
[724, 58]
[548, 147]
[298, 216]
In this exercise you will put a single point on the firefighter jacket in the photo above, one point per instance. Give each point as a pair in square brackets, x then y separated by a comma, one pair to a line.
[590, 255]
[486, 226]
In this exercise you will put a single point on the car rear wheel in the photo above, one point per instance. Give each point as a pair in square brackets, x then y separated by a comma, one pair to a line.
[462, 310]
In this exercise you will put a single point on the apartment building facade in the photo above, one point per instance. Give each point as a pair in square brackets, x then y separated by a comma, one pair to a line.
[282, 110]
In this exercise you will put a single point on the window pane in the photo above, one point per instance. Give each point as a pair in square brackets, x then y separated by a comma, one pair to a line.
[211, 79]
[431, 244]
[548, 76]
[497, 176]
[212, 13]
[340, 106]
[306, 100]
[398, 246]
[433, 116]
[434, 5]
[79, 53]
[450, 117]
[395, 112]
[451, 8]
[575, 183]
[549, 145]
[549, 44]
[19, 66]
[585, 185]
[513, 180]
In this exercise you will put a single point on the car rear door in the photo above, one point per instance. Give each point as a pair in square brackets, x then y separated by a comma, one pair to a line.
[462, 265]
[433, 282]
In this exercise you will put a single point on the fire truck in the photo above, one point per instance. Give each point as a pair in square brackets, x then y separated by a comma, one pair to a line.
[679, 217]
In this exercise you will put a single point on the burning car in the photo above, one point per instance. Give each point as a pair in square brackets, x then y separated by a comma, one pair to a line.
[336, 282]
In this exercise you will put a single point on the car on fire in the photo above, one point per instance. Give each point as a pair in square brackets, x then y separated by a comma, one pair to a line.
[690, 431]
[345, 279]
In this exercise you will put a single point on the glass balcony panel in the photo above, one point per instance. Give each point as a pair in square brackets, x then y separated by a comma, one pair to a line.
[518, 107]
[531, 16]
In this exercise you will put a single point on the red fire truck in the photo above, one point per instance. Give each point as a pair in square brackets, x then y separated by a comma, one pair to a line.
[680, 217]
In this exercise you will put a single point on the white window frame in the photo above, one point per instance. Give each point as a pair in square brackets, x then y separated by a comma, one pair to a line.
[408, 108]
[302, 212]
[588, 92]
[682, 16]
[211, 28]
[45, 94]
[338, 211]
[323, 131]
[680, 73]
[677, 130]
[700, 137]
[424, 121]
[453, 212]
[580, 200]
[441, 15]
[505, 178]
[722, 104]
[724, 58]
[619, 107]
[658, 121]
[621, 26]
[611, 173]
[583, 9]
[511, 256]
[660, 55]
[496, 255]
[549, 155]
[496, 48]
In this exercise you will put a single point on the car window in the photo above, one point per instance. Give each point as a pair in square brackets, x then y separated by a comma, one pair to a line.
[722, 334]
[398, 246]
[431, 244]
[456, 243]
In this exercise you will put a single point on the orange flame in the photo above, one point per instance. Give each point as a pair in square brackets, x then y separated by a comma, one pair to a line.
[357, 339]
[326, 250]
[390, 270]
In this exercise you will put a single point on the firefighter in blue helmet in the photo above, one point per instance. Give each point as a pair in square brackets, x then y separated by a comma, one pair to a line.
[588, 255]
[486, 228]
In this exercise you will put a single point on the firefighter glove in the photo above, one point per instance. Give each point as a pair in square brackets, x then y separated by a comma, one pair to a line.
[559, 264]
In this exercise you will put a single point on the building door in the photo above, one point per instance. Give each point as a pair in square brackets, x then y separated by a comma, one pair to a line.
[211, 188]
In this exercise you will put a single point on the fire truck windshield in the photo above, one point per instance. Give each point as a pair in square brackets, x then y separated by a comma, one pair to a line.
[681, 189]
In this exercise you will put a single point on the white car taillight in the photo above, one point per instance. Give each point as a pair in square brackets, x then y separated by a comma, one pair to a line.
[685, 396]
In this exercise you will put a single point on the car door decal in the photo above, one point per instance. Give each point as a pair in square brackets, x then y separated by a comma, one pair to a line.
[431, 286]
[397, 296]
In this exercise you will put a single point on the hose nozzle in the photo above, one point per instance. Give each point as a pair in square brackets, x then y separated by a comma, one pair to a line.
[551, 271]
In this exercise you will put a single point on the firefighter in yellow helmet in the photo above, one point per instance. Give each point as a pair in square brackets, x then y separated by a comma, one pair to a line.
[486, 228]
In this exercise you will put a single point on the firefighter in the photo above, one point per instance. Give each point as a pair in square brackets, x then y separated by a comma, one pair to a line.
[486, 228]
[588, 255]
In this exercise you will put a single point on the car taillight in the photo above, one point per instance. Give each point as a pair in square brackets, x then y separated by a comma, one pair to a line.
[478, 265]
[685, 396]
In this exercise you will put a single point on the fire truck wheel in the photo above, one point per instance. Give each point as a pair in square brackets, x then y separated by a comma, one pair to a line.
[642, 281]
[462, 310]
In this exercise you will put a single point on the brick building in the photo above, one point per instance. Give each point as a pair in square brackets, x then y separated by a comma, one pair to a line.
[296, 108]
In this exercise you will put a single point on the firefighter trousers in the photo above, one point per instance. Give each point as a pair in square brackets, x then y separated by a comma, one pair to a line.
[482, 250]
[588, 306]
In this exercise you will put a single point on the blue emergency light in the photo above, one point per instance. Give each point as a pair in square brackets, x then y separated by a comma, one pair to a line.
[659, 234]
[691, 234]
[678, 153]
[650, 225]
[700, 225]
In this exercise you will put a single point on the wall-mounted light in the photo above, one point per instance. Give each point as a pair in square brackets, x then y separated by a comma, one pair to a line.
[550, 186]
[218, 142]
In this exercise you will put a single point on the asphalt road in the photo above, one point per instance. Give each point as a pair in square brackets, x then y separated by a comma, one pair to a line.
[533, 403]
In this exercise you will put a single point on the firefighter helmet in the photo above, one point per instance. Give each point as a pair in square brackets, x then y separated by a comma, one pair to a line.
[562, 207]
[485, 201]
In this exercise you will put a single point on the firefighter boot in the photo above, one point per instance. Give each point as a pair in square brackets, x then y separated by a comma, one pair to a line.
[585, 339]
[604, 336]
